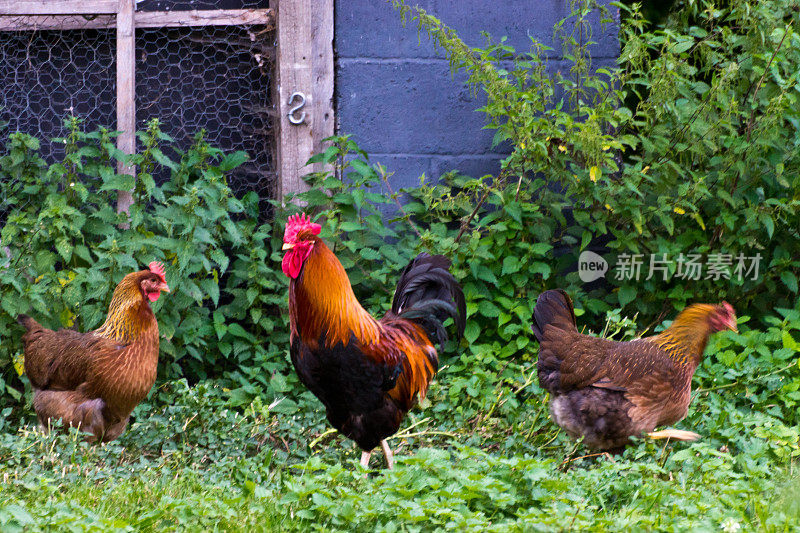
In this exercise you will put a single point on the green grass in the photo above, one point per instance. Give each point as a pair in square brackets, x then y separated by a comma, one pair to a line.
[480, 454]
[194, 462]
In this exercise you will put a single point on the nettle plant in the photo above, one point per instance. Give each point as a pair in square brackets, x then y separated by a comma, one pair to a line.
[63, 250]
[688, 146]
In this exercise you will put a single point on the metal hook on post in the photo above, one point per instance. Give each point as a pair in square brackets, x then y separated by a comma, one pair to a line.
[293, 118]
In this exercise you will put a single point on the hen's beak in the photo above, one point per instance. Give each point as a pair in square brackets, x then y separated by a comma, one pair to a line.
[164, 287]
[287, 246]
[732, 325]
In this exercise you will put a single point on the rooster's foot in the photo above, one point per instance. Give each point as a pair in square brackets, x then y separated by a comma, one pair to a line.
[365, 459]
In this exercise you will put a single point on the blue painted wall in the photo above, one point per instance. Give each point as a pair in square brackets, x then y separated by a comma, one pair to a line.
[398, 98]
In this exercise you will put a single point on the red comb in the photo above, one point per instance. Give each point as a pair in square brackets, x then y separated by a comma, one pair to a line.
[158, 269]
[297, 223]
[300, 219]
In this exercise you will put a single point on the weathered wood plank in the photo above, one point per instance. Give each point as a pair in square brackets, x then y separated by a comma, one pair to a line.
[219, 17]
[57, 7]
[144, 19]
[295, 141]
[56, 22]
[322, 74]
[126, 96]
[305, 65]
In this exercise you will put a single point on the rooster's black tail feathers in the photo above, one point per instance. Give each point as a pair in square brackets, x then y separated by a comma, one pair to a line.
[428, 294]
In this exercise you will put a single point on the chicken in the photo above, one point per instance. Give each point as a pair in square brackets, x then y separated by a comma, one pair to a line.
[608, 391]
[367, 373]
[93, 380]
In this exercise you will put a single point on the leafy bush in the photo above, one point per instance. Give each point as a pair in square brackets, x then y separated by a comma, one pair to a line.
[500, 267]
[689, 146]
[64, 250]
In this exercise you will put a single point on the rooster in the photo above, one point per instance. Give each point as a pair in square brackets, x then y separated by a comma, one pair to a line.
[368, 373]
[608, 391]
[93, 380]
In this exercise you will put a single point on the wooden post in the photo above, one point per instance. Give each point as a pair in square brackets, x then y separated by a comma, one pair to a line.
[126, 95]
[305, 86]
[323, 125]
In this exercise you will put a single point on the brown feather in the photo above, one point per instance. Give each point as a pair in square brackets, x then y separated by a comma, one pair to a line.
[94, 380]
[645, 382]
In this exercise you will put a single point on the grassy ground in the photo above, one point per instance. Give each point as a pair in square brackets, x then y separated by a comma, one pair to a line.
[194, 461]
[480, 454]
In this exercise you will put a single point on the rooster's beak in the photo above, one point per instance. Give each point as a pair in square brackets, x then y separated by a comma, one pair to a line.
[164, 287]
[287, 246]
[732, 326]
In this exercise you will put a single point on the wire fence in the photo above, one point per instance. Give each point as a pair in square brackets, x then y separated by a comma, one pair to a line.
[213, 78]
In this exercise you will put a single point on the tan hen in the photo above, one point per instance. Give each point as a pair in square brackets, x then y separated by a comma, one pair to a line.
[94, 380]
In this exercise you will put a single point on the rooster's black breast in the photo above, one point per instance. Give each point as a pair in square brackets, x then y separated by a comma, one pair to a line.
[343, 377]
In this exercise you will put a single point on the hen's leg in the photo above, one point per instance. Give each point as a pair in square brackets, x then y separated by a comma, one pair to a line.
[599, 415]
[88, 416]
[388, 453]
[50, 406]
[674, 434]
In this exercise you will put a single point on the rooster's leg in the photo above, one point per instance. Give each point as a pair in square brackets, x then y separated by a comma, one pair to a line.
[365, 459]
[388, 453]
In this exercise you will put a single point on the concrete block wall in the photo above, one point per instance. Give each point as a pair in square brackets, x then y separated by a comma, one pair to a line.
[396, 95]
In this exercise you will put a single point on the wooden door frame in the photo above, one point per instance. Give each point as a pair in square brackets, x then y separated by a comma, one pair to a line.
[305, 76]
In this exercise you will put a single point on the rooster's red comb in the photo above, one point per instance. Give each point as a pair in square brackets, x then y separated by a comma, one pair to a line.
[297, 223]
[158, 269]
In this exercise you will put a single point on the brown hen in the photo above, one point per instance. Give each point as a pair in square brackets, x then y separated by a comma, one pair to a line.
[94, 380]
[608, 391]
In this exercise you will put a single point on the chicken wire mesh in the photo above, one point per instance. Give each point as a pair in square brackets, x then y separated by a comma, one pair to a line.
[216, 78]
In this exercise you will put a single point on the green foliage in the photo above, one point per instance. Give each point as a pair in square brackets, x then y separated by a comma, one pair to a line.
[347, 201]
[64, 250]
[689, 146]
[254, 450]
[500, 266]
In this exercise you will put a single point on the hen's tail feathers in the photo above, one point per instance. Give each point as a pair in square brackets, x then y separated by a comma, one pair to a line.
[674, 434]
[553, 307]
[428, 294]
[28, 322]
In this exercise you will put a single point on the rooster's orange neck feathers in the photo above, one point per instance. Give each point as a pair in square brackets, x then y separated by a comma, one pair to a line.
[321, 300]
[685, 340]
[128, 313]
